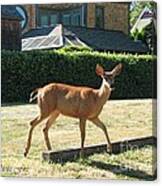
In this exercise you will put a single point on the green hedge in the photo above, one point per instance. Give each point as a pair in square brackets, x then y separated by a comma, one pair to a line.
[24, 71]
[76, 48]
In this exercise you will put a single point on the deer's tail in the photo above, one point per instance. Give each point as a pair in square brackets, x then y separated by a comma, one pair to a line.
[33, 95]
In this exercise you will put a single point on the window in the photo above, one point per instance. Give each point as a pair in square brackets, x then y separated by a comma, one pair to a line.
[44, 20]
[72, 17]
[23, 14]
[47, 17]
[53, 19]
[43, 17]
[66, 19]
[76, 17]
[99, 17]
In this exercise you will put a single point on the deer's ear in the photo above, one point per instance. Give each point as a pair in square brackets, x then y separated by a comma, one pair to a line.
[99, 70]
[117, 70]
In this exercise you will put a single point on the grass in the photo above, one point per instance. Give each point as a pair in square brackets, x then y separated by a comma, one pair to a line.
[123, 119]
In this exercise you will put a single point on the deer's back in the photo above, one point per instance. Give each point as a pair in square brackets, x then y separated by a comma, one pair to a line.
[69, 100]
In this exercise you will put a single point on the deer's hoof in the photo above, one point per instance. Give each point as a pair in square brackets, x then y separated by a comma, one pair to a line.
[109, 149]
[25, 154]
[82, 154]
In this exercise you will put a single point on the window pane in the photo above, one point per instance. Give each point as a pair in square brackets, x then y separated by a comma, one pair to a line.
[66, 19]
[99, 17]
[53, 19]
[76, 19]
[44, 20]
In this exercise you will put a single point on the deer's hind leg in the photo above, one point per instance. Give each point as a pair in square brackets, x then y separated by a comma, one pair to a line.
[48, 124]
[43, 114]
[33, 124]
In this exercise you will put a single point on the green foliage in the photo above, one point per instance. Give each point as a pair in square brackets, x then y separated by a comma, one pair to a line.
[137, 8]
[24, 71]
[138, 35]
[75, 48]
[148, 36]
[151, 37]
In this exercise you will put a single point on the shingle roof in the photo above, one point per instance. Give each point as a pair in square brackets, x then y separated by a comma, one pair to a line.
[98, 39]
[105, 39]
[38, 32]
[10, 12]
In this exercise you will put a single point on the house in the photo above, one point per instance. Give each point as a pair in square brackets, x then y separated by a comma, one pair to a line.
[101, 26]
[97, 39]
[10, 28]
[108, 16]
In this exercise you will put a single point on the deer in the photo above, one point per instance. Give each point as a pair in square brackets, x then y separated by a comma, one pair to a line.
[84, 103]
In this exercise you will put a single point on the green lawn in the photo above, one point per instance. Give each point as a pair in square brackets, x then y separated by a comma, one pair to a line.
[123, 119]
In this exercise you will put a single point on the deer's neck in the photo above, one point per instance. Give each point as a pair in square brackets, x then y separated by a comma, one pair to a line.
[104, 90]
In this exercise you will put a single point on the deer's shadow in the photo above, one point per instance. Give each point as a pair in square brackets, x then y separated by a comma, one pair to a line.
[122, 170]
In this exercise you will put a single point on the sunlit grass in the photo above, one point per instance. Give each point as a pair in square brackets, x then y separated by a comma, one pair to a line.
[123, 119]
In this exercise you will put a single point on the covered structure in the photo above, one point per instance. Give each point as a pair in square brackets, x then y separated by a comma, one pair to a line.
[97, 39]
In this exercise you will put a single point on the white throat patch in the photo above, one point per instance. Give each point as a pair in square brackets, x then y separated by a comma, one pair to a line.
[104, 86]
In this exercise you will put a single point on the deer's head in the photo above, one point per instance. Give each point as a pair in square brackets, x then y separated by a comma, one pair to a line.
[109, 76]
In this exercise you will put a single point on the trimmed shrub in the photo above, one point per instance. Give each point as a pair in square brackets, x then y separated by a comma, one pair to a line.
[24, 71]
[75, 48]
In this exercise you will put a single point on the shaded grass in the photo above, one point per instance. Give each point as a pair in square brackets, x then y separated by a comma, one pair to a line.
[123, 119]
[129, 165]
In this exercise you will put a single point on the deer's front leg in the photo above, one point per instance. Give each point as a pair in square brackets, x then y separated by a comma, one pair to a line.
[82, 126]
[101, 125]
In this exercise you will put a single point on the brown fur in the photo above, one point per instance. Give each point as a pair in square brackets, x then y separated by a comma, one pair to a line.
[80, 102]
